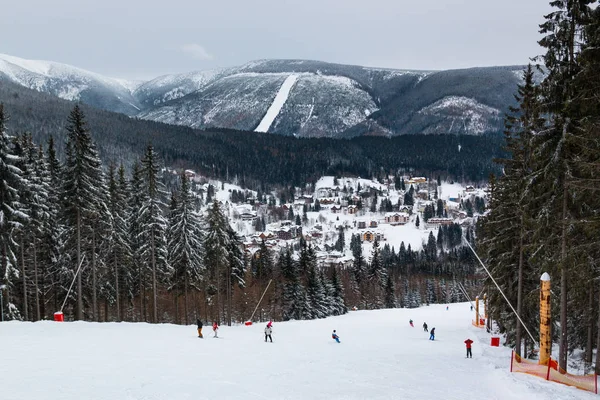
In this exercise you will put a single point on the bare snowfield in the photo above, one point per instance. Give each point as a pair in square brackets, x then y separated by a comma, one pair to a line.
[380, 357]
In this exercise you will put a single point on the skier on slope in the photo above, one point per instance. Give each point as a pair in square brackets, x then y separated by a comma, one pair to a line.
[469, 342]
[270, 324]
[425, 326]
[411, 323]
[215, 328]
[268, 331]
[335, 336]
[432, 334]
[199, 328]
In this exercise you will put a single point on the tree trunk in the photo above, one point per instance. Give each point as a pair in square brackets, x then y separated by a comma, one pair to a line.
[38, 315]
[229, 296]
[185, 299]
[154, 295]
[25, 305]
[590, 327]
[95, 309]
[79, 281]
[118, 292]
[519, 293]
[218, 317]
[598, 338]
[563, 349]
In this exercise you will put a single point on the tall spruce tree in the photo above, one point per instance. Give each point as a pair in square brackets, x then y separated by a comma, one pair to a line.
[11, 213]
[153, 225]
[185, 244]
[82, 196]
[556, 154]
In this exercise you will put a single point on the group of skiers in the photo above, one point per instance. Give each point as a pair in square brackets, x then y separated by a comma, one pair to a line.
[268, 331]
[334, 335]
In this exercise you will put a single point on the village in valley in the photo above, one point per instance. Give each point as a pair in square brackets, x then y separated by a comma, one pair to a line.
[391, 211]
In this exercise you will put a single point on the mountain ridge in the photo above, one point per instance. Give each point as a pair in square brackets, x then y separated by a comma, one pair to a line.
[327, 100]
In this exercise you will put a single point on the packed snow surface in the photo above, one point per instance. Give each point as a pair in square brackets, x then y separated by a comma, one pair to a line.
[278, 102]
[380, 357]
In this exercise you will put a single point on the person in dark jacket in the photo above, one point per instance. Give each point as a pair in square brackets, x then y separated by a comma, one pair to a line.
[469, 342]
[199, 328]
[425, 327]
[432, 334]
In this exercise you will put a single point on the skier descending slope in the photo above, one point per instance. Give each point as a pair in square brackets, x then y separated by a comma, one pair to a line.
[215, 328]
[335, 336]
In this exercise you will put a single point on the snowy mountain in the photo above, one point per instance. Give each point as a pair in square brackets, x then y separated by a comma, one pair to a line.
[71, 83]
[324, 99]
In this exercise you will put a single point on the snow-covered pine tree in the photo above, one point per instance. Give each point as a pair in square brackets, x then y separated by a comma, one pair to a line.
[339, 304]
[557, 150]
[11, 214]
[154, 225]
[587, 83]
[83, 203]
[376, 277]
[135, 202]
[235, 270]
[503, 233]
[390, 295]
[315, 294]
[216, 252]
[119, 246]
[185, 247]
[54, 230]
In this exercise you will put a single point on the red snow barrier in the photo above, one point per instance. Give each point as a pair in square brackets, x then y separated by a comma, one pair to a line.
[248, 323]
[552, 372]
[495, 341]
[59, 316]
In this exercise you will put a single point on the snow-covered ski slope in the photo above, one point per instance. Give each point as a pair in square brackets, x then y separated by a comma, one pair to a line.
[278, 102]
[380, 357]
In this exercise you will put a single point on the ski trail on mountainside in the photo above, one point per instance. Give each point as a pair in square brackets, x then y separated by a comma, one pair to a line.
[278, 102]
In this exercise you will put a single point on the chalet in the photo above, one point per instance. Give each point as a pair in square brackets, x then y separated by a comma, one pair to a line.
[469, 189]
[352, 209]
[335, 209]
[369, 236]
[373, 224]
[432, 222]
[362, 224]
[396, 218]
[284, 233]
[248, 216]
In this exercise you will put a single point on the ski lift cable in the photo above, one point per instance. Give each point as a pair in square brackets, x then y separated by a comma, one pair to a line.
[464, 292]
[73, 282]
[501, 292]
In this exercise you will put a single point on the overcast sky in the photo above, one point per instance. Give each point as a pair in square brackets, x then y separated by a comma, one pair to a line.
[146, 38]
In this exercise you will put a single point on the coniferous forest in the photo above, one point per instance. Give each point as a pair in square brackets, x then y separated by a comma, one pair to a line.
[544, 208]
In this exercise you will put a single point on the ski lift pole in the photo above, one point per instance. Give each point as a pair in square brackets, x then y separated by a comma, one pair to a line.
[72, 283]
[464, 292]
[261, 297]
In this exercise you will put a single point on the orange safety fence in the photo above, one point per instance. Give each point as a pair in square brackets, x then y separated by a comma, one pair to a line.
[552, 372]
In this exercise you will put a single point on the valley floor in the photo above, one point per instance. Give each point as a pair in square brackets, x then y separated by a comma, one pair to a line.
[380, 357]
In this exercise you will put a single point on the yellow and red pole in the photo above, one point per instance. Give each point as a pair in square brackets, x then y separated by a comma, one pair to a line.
[545, 320]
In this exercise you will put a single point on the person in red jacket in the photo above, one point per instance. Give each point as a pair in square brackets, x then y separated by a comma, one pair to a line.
[215, 328]
[468, 342]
